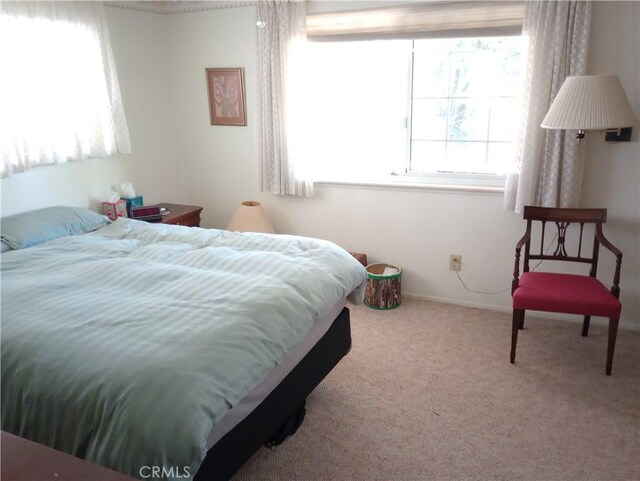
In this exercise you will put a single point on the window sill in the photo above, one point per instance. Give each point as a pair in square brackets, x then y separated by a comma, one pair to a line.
[408, 183]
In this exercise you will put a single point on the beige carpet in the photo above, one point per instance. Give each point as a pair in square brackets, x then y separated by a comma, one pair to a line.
[428, 393]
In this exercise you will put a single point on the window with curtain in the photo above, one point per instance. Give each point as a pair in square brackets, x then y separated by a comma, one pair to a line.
[427, 91]
[58, 89]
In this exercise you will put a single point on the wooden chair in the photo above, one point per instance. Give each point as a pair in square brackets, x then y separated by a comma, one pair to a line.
[566, 293]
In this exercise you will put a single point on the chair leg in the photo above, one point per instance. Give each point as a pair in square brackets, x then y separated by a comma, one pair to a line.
[611, 345]
[517, 323]
[585, 326]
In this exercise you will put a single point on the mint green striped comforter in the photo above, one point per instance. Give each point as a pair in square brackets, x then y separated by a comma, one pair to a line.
[125, 346]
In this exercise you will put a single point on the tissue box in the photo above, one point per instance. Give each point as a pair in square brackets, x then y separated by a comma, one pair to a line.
[133, 201]
[113, 210]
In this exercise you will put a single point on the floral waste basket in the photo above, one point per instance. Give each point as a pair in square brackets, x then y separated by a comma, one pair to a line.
[383, 286]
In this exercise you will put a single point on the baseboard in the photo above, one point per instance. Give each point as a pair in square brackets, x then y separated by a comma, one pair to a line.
[600, 321]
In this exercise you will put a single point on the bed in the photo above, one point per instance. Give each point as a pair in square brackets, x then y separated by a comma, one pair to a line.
[140, 346]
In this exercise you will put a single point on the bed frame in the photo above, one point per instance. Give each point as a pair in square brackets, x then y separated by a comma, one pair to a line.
[283, 406]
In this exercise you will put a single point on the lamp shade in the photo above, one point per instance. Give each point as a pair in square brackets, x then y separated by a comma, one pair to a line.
[590, 102]
[250, 217]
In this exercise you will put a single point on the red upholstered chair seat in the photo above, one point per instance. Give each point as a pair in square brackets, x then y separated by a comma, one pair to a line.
[568, 293]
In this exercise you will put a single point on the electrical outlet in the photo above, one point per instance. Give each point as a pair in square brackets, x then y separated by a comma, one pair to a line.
[455, 262]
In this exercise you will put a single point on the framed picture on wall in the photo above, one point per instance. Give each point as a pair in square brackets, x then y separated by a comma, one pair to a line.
[226, 96]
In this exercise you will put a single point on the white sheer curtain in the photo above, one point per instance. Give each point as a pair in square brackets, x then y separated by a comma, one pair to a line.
[550, 163]
[58, 89]
[281, 44]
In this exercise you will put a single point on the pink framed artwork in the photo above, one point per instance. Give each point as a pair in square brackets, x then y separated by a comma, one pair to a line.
[226, 96]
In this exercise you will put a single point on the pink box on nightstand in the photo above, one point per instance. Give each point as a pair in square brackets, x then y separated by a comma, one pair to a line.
[113, 210]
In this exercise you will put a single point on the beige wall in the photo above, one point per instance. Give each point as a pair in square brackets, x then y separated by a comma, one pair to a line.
[179, 156]
[613, 170]
[416, 229]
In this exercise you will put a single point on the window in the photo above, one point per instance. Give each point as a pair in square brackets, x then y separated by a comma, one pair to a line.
[413, 107]
[427, 91]
[463, 104]
[357, 109]
[58, 90]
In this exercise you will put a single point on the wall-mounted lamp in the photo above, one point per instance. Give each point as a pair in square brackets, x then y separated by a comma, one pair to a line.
[250, 217]
[592, 102]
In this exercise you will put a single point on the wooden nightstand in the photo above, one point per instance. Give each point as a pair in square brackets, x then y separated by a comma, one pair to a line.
[188, 215]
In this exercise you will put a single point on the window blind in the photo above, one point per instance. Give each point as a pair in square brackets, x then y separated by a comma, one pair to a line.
[422, 20]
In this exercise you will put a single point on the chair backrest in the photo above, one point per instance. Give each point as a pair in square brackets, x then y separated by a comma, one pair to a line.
[562, 218]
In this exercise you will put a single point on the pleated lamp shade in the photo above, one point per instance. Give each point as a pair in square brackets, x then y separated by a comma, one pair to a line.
[590, 102]
[250, 217]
